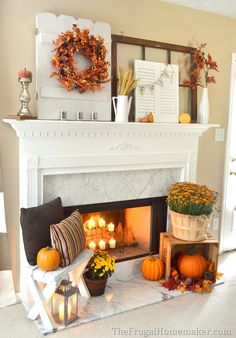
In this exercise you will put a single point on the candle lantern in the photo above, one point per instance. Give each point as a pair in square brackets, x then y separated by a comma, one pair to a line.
[65, 303]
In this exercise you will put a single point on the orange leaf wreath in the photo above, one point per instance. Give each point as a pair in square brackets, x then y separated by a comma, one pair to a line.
[91, 47]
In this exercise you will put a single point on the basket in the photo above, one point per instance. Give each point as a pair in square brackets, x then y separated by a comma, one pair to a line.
[188, 227]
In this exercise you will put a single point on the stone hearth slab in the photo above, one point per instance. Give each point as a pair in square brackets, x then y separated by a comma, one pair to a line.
[120, 296]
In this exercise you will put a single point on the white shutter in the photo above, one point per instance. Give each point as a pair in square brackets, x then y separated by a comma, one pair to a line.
[52, 97]
[157, 92]
[145, 97]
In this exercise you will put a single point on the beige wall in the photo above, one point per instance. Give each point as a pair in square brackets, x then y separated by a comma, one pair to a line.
[148, 19]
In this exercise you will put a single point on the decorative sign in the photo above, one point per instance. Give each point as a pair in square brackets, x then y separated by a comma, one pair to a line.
[52, 97]
[157, 91]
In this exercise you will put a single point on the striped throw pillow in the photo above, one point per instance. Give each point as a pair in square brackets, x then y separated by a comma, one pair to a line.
[68, 238]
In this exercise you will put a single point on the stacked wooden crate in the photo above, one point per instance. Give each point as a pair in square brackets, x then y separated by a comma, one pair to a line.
[171, 248]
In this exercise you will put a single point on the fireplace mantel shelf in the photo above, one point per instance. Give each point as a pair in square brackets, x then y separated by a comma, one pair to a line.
[59, 129]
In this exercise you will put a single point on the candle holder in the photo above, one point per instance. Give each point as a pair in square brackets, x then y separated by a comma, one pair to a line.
[65, 303]
[24, 97]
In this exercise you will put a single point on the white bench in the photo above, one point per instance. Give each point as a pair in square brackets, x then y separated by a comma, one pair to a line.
[52, 279]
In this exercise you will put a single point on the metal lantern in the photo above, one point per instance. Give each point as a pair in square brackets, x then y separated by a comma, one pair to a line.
[65, 303]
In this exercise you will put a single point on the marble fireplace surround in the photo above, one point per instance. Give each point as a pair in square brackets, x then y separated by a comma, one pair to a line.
[93, 162]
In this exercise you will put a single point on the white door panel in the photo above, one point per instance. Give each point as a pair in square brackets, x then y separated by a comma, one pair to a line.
[228, 230]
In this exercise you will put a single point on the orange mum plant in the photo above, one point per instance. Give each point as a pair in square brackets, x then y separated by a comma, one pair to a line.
[191, 198]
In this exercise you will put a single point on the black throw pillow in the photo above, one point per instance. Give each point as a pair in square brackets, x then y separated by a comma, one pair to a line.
[35, 223]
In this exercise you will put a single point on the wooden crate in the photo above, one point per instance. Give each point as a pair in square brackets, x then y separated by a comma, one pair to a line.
[171, 247]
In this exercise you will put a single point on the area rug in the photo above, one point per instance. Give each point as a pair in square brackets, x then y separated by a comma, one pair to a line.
[120, 296]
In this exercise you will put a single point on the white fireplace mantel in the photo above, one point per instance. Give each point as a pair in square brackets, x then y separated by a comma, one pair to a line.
[70, 147]
[58, 129]
[49, 147]
[104, 160]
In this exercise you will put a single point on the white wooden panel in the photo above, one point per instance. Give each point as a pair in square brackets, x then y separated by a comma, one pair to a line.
[46, 38]
[145, 99]
[168, 95]
[157, 92]
[52, 96]
[55, 92]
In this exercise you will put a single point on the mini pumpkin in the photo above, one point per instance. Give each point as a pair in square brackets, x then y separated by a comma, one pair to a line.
[48, 259]
[191, 266]
[152, 268]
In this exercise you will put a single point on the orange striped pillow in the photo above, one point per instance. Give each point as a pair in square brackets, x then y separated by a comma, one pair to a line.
[68, 238]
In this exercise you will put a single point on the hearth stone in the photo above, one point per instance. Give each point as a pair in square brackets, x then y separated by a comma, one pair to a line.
[126, 290]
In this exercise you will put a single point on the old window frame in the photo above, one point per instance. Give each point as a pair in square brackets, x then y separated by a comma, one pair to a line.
[121, 39]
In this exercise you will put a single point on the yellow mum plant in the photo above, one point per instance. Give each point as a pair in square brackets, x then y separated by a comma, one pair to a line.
[191, 198]
[101, 265]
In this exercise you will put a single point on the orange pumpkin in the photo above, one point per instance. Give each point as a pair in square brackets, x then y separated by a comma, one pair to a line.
[192, 266]
[152, 268]
[48, 259]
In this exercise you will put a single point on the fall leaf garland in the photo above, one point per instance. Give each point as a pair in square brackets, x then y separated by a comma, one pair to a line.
[91, 47]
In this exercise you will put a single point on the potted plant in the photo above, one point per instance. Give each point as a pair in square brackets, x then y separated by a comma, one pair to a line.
[99, 268]
[191, 206]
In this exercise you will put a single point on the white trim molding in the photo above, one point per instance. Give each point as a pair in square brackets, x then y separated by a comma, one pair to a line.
[77, 129]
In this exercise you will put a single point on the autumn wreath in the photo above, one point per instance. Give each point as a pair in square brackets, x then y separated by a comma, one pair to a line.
[92, 48]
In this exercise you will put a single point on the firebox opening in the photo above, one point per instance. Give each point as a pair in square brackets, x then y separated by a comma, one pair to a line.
[126, 229]
[122, 232]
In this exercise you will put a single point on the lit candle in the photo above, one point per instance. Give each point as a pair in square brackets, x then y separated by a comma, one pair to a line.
[111, 227]
[69, 312]
[102, 244]
[91, 224]
[92, 245]
[101, 223]
[112, 243]
[61, 312]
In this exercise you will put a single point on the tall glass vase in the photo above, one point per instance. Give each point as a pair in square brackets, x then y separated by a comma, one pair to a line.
[203, 110]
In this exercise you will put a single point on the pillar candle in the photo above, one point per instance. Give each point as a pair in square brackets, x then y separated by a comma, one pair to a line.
[102, 244]
[111, 227]
[91, 224]
[101, 223]
[92, 245]
[61, 312]
[112, 243]
[25, 73]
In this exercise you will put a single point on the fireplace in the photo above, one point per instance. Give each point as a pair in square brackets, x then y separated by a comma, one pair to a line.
[91, 163]
[126, 229]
